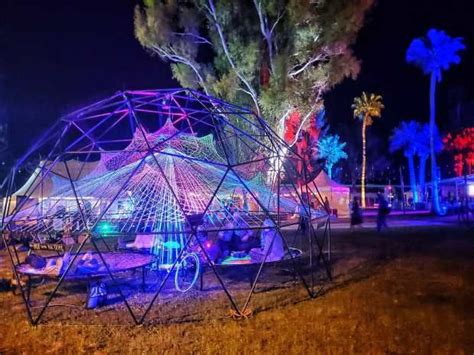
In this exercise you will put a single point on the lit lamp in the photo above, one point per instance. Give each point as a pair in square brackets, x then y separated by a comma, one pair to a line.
[470, 190]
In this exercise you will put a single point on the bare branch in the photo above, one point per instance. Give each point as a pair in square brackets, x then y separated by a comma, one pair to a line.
[324, 54]
[198, 39]
[173, 56]
[312, 60]
[267, 34]
[280, 16]
[244, 91]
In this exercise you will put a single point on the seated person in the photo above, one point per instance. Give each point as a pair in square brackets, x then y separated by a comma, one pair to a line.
[271, 242]
[243, 239]
[224, 240]
[51, 266]
[89, 264]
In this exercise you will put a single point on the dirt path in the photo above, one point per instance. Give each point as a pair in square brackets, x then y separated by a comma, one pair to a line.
[408, 291]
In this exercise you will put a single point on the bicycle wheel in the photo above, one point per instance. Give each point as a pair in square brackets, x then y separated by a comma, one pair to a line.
[187, 272]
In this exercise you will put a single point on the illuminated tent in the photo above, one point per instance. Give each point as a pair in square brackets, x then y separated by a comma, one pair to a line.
[36, 188]
[338, 195]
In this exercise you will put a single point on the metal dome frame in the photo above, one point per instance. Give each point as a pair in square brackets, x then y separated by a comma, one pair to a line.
[86, 133]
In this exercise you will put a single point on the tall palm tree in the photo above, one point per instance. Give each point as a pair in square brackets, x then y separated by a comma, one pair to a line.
[404, 138]
[433, 54]
[366, 107]
[423, 152]
[331, 149]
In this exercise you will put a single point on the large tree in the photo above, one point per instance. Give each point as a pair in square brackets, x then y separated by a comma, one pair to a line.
[366, 108]
[462, 144]
[434, 53]
[277, 56]
[404, 138]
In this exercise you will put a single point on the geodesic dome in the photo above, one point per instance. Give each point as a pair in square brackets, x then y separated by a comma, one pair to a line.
[142, 161]
[163, 164]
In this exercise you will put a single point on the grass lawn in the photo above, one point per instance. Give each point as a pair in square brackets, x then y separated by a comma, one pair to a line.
[410, 290]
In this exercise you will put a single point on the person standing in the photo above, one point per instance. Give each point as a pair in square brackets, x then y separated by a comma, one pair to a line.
[327, 206]
[382, 212]
[356, 214]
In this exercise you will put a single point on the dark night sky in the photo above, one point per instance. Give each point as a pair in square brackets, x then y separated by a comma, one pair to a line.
[56, 56]
[382, 45]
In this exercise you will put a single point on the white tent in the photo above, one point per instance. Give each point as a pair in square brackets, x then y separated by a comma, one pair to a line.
[49, 177]
[338, 195]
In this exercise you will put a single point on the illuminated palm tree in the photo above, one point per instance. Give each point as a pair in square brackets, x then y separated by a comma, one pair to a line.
[366, 107]
[331, 149]
[423, 152]
[433, 54]
[404, 138]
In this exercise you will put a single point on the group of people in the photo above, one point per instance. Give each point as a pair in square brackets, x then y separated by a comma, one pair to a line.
[383, 211]
[237, 236]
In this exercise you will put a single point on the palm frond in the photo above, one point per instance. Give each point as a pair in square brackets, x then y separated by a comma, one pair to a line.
[435, 52]
[367, 107]
[404, 137]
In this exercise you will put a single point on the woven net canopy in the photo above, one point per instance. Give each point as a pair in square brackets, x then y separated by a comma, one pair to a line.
[149, 161]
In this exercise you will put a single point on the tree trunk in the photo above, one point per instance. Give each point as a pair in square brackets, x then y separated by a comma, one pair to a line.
[364, 163]
[434, 173]
[421, 176]
[402, 185]
[411, 171]
[329, 169]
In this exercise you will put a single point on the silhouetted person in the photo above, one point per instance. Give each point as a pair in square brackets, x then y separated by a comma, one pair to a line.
[463, 211]
[382, 212]
[356, 214]
[327, 206]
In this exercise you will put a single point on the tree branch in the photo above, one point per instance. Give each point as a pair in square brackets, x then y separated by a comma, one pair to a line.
[324, 54]
[212, 11]
[280, 16]
[175, 57]
[303, 121]
[281, 123]
[267, 34]
[294, 72]
[199, 39]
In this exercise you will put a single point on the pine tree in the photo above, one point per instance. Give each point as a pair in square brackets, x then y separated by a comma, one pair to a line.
[277, 56]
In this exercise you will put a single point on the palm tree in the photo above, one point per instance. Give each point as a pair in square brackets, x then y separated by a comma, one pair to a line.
[423, 152]
[366, 107]
[404, 138]
[433, 54]
[331, 149]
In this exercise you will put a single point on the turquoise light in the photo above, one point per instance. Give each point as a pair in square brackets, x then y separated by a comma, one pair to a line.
[105, 228]
[172, 244]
